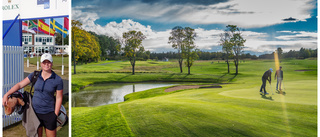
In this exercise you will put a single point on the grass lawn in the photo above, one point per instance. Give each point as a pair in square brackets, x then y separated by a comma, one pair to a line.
[147, 71]
[236, 109]
[57, 62]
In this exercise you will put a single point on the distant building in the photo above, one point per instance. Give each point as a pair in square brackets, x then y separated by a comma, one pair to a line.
[41, 43]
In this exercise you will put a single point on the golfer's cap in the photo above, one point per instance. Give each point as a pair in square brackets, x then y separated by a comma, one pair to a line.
[271, 69]
[46, 56]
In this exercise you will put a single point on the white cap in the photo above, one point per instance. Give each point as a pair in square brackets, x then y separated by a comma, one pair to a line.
[46, 56]
[271, 69]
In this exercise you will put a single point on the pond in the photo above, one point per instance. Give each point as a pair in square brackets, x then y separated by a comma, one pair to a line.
[103, 94]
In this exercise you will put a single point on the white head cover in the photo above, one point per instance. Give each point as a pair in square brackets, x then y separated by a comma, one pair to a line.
[271, 69]
[46, 56]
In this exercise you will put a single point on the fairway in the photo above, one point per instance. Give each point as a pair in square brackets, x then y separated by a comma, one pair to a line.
[236, 109]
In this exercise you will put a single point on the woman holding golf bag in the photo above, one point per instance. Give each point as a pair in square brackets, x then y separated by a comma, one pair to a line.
[266, 76]
[46, 106]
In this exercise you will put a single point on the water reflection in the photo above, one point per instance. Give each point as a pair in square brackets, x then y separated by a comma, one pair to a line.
[102, 94]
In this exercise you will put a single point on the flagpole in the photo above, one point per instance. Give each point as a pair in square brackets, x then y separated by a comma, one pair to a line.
[49, 27]
[62, 72]
[37, 47]
[28, 48]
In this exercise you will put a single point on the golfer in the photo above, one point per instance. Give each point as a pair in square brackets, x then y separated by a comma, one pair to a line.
[266, 76]
[279, 76]
[44, 103]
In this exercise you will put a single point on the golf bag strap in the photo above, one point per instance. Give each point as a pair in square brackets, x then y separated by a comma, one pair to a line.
[34, 79]
[16, 94]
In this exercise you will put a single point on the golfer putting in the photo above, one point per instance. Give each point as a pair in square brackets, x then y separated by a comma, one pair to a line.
[266, 76]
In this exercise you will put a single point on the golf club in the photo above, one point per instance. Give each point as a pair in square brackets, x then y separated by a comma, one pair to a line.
[271, 89]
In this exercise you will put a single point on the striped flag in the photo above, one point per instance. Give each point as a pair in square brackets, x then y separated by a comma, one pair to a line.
[44, 28]
[57, 27]
[26, 28]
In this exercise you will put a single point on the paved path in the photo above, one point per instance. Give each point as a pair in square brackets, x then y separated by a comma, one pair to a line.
[65, 84]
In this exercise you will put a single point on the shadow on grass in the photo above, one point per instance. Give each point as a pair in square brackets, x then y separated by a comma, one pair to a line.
[230, 79]
[227, 77]
[265, 97]
[170, 76]
[124, 77]
[281, 92]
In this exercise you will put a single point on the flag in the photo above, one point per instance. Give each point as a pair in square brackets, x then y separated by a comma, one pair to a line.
[44, 28]
[25, 28]
[33, 26]
[57, 27]
[66, 23]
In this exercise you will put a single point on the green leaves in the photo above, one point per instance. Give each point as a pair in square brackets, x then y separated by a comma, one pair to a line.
[84, 45]
[182, 39]
[133, 45]
[232, 42]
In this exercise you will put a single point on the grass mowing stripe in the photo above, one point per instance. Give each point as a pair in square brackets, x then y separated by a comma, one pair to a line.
[123, 117]
[180, 113]
[99, 121]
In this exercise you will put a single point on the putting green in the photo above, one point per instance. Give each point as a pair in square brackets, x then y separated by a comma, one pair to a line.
[298, 92]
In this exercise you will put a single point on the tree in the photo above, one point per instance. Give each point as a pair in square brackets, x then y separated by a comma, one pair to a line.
[76, 26]
[226, 46]
[133, 45]
[279, 51]
[176, 39]
[108, 46]
[85, 47]
[237, 42]
[189, 51]
[58, 39]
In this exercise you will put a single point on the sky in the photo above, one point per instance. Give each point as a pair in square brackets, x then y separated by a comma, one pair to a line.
[265, 24]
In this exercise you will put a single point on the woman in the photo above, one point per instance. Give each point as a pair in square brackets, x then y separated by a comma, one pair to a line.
[45, 105]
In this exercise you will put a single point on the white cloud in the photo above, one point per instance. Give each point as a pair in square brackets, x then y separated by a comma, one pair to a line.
[157, 41]
[298, 35]
[291, 41]
[244, 13]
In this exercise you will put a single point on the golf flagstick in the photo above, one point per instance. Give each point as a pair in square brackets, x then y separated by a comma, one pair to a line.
[282, 85]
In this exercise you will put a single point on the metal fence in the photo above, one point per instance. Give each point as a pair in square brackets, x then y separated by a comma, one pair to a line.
[12, 74]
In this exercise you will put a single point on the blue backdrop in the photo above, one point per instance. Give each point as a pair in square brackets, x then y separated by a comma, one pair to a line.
[14, 35]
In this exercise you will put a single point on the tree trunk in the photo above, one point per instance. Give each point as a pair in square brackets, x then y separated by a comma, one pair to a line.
[180, 65]
[228, 66]
[133, 64]
[188, 70]
[236, 69]
[236, 63]
[74, 63]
